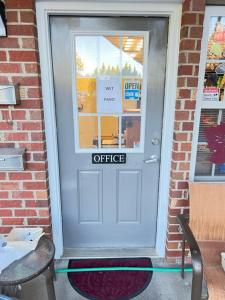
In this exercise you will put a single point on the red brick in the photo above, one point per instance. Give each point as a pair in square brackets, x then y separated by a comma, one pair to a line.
[11, 16]
[43, 212]
[10, 203]
[38, 221]
[10, 68]
[181, 115]
[36, 115]
[182, 203]
[25, 212]
[37, 136]
[174, 237]
[190, 104]
[2, 176]
[32, 68]
[34, 93]
[187, 126]
[5, 212]
[9, 43]
[196, 32]
[31, 103]
[183, 166]
[22, 30]
[16, 136]
[184, 32]
[2, 56]
[185, 70]
[38, 185]
[186, 146]
[37, 203]
[189, 19]
[3, 195]
[178, 156]
[23, 195]
[175, 194]
[5, 126]
[181, 82]
[186, 5]
[19, 114]
[182, 58]
[31, 126]
[8, 186]
[39, 156]
[184, 93]
[198, 5]
[18, 4]
[27, 17]
[41, 175]
[27, 80]
[192, 82]
[193, 57]
[36, 166]
[3, 79]
[13, 221]
[29, 43]
[187, 44]
[5, 230]
[20, 176]
[180, 136]
[23, 56]
[33, 146]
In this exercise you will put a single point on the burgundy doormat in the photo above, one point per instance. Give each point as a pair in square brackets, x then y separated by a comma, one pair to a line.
[110, 285]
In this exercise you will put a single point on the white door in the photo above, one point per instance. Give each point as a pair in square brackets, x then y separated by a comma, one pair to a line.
[109, 78]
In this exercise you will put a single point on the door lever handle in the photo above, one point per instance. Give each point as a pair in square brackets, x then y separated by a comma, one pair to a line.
[152, 159]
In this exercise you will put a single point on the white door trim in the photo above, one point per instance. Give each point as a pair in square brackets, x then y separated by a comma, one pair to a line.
[136, 8]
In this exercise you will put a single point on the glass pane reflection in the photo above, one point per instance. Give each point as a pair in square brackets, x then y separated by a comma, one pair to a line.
[109, 132]
[131, 126]
[88, 132]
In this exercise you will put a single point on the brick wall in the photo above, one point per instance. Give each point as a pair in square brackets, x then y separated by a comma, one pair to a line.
[24, 196]
[190, 47]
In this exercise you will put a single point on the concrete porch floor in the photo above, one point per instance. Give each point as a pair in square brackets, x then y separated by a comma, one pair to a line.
[164, 286]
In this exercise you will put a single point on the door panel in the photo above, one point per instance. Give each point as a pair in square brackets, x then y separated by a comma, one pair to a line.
[109, 205]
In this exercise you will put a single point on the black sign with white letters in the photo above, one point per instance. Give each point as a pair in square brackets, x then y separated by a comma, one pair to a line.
[109, 158]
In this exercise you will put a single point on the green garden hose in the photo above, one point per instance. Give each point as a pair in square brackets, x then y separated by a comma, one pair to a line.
[166, 270]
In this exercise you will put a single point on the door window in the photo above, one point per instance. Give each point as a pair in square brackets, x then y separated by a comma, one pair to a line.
[110, 91]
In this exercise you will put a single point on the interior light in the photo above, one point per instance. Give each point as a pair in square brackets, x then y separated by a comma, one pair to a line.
[2, 19]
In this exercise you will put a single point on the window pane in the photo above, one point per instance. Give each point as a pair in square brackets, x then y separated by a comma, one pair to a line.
[132, 72]
[86, 95]
[131, 132]
[216, 49]
[220, 170]
[203, 165]
[109, 132]
[210, 153]
[214, 82]
[209, 118]
[88, 132]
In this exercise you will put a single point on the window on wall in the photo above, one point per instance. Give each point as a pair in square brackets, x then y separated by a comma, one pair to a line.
[209, 139]
[110, 91]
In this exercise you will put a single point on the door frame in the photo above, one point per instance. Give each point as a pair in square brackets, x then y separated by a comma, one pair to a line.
[173, 11]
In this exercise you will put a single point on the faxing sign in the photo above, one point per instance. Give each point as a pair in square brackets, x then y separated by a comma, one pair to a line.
[108, 158]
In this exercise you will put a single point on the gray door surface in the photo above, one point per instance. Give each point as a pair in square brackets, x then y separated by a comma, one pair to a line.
[109, 205]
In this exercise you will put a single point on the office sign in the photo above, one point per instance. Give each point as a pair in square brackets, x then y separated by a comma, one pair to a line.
[132, 90]
[109, 158]
[109, 94]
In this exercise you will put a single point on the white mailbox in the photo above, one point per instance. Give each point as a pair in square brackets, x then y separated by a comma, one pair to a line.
[9, 94]
[12, 159]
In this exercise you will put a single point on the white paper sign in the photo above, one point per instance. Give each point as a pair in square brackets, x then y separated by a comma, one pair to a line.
[109, 95]
[211, 94]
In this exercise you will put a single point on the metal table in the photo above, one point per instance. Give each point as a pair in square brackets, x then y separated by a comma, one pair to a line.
[39, 261]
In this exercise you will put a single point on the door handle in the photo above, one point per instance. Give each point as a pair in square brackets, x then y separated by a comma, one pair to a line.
[152, 159]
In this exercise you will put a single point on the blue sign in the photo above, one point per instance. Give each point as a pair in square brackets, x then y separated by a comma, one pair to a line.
[132, 90]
